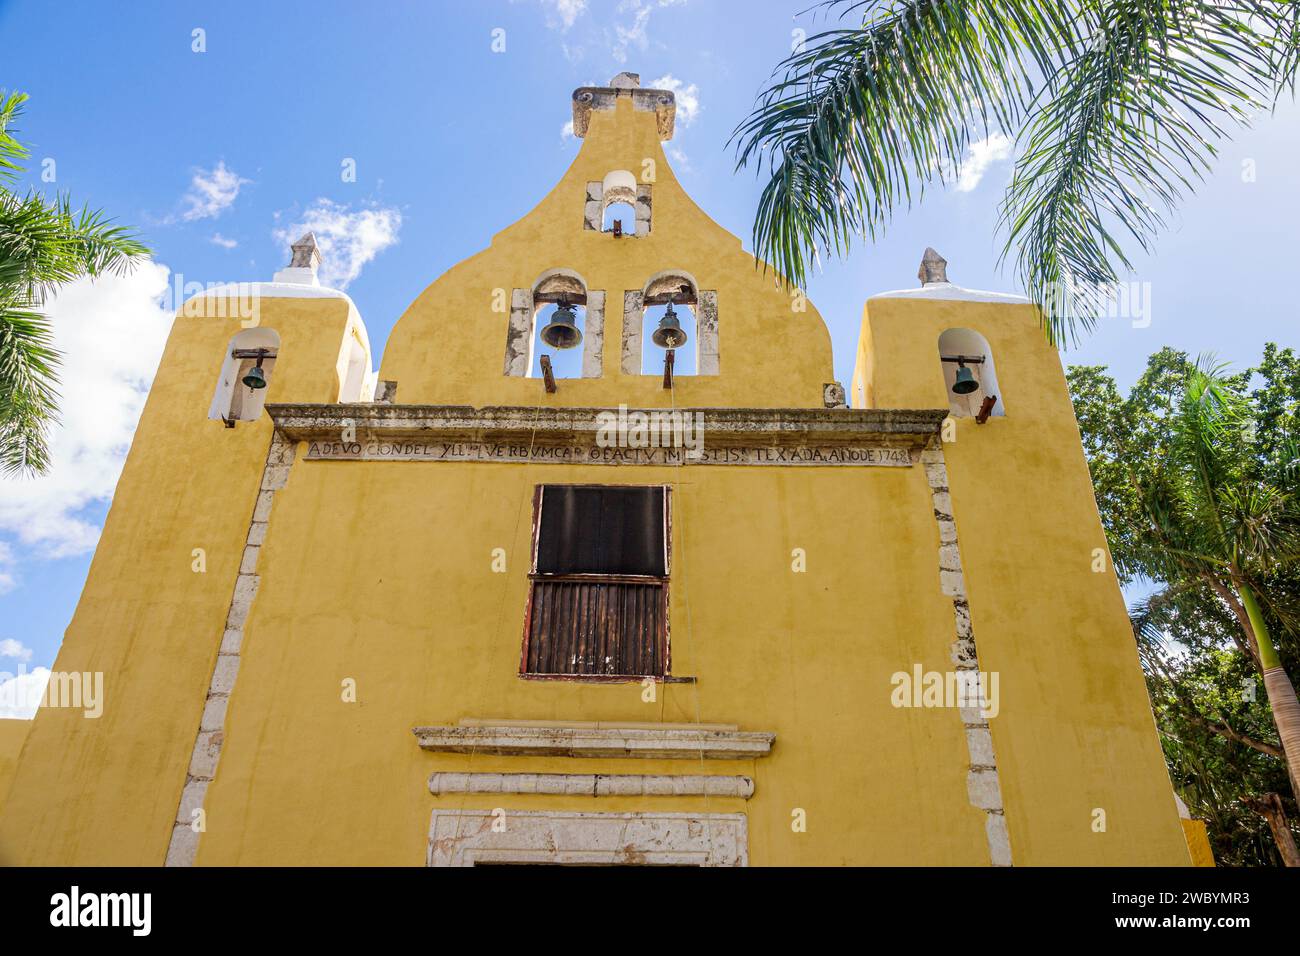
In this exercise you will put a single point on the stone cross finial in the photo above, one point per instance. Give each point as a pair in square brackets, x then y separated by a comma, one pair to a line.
[306, 254]
[934, 268]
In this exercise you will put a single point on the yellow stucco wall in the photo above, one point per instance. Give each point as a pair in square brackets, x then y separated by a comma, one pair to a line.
[1198, 842]
[382, 572]
[411, 609]
[13, 733]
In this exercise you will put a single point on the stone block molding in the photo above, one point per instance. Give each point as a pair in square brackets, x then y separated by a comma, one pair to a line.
[595, 784]
[593, 336]
[471, 837]
[706, 333]
[633, 319]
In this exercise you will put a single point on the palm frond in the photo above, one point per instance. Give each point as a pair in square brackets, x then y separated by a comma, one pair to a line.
[43, 245]
[1286, 63]
[12, 152]
[28, 389]
[1131, 127]
[1149, 617]
[1207, 438]
[861, 119]
[1117, 106]
[1264, 523]
[53, 243]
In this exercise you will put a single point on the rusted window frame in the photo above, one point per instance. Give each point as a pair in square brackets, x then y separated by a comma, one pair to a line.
[663, 582]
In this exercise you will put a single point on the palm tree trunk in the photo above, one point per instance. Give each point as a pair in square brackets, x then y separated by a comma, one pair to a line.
[1281, 694]
[1270, 808]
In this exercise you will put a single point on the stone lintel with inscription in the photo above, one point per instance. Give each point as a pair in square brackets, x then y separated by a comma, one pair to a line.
[650, 436]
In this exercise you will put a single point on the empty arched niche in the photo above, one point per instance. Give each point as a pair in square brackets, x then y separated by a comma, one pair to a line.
[619, 217]
[233, 401]
[966, 349]
[619, 197]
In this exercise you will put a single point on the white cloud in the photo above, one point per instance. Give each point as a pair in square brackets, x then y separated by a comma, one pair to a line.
[219, 240]
[15, 649]
[348, 239]
[111, 332]
[7, 582]
[687, 95]
[21, 694]
[636, 33]
[561, 14]
[566, 131]
[211, 193]
[979, 157]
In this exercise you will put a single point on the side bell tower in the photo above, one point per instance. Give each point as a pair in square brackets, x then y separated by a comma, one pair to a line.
[161, 615]
[1075, 731]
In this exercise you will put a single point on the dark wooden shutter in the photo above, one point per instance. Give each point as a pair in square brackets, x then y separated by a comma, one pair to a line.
[599, 599]
[601, 530]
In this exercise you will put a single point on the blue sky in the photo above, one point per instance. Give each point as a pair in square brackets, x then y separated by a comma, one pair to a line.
[217, 155]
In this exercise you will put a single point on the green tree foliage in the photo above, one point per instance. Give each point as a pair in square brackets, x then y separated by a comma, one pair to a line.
[1202, 670]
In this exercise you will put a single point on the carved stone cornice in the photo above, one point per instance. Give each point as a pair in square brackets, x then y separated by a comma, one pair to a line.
[602, 436]
[305, 422]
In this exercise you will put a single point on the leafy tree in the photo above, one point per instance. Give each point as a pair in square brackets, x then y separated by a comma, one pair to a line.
[43, 245]
[1214, 722]
[1116, 105]
[1196, 480]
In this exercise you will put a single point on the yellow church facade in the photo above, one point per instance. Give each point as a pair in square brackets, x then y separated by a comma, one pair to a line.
[467, 610]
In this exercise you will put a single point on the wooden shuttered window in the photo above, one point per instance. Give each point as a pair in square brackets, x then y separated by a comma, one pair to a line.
[598, 603]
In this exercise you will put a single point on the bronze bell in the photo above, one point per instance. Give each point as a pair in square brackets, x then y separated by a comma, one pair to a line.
[255, 377]
[562, 331]
[965, 382]
[670, 334]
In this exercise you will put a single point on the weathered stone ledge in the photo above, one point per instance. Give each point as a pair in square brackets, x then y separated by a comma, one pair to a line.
[675, 743]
